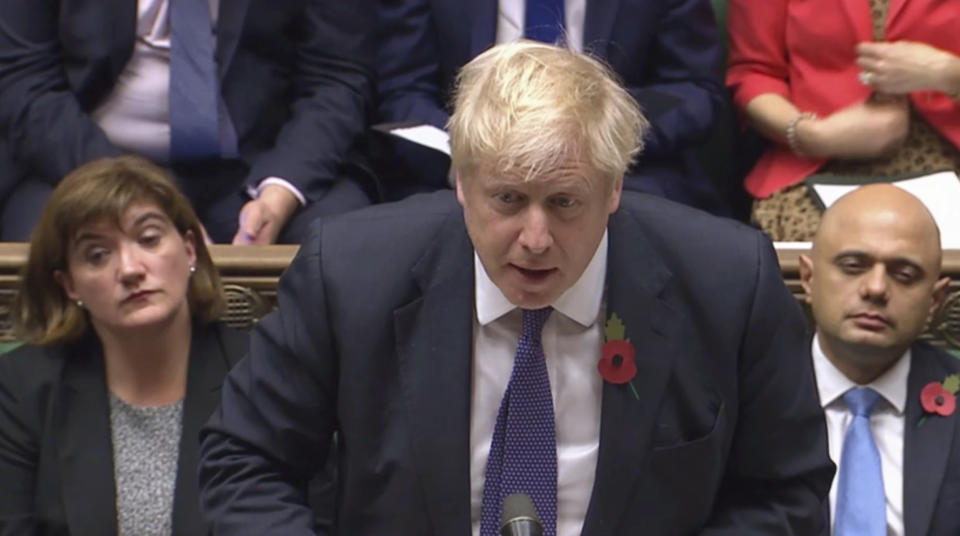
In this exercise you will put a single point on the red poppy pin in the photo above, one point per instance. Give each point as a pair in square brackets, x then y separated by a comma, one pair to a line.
[617, 365]
[940, 398]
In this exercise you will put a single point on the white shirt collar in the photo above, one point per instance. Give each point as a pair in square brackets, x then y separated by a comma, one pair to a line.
[581, 302]
[832, 384]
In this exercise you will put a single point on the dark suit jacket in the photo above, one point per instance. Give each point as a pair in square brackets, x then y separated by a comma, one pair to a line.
[294, 74]
[56, 462]
[667, 53]
[931, 459]
[726, 439]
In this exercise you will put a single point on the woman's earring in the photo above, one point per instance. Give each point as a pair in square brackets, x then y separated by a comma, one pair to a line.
[80, 304]
[193, 269]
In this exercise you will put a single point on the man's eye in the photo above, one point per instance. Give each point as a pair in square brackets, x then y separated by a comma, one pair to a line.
[850, 266]
[905, 276]
[564, 202]
[506, 197]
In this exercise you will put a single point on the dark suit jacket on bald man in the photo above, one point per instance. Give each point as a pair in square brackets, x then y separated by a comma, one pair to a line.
[727, 437]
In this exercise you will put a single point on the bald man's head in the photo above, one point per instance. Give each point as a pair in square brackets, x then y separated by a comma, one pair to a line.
[881, 205]
[873, 276]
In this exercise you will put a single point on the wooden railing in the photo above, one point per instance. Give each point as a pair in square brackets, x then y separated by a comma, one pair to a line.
[250, 276]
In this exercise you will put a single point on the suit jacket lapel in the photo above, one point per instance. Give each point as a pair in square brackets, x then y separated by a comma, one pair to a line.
[926, 447]
[94, 57]
[483, 25]
[635, 279]
[598, 25]
[86, 447]
[230, 16]
[205, 373]
[434, 343]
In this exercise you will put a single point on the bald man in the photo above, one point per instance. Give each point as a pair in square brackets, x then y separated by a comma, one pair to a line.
[873, 282]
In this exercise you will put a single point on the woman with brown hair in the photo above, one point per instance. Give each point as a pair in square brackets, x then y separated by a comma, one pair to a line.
[100, 410]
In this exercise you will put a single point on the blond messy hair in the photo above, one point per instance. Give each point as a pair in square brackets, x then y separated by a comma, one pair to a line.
[529, 107]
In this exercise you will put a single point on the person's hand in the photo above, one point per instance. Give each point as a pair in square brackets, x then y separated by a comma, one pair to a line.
[902, 67]
[261, 219]
[861, 131]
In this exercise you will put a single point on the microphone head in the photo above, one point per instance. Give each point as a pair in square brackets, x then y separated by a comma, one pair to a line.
[518, 508]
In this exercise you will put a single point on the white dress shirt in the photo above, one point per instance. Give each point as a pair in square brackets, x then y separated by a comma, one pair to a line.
[510, 21]
[135, 116]
[886, 423]
[572, 339]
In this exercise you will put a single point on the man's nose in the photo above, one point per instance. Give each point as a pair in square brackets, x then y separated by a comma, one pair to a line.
[536, 235]
[875, 285]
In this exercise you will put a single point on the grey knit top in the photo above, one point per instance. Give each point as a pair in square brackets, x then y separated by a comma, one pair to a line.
[146, 445]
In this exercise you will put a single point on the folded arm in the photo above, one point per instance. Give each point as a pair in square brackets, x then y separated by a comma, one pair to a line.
[330, 97]
[49, 130]
[683, 91]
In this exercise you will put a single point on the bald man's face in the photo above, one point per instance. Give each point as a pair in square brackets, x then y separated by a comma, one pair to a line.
[873, 279]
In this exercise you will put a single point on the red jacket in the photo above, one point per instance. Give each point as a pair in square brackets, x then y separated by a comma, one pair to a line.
[804, 50]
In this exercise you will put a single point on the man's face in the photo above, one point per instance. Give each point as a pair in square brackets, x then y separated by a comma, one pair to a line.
[536, 238]
[872, 281]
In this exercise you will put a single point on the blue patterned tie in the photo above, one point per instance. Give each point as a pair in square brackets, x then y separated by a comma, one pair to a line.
[861, 503]
[544, 21]
[523, 452]
[194, 130]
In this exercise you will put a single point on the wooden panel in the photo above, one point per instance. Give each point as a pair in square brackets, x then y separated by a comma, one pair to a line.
[250, 275]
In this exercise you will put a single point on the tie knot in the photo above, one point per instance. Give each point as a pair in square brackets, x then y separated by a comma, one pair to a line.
[861, 401]
[533, 321]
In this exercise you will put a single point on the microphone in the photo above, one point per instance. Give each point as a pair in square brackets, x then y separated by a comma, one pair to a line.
[519, 517]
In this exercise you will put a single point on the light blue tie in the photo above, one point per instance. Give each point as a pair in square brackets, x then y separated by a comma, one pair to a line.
[861, 504]
[194, 121]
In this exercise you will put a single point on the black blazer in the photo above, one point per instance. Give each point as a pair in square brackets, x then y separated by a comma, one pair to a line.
[56, 456]
[295, 76]
[726, 438]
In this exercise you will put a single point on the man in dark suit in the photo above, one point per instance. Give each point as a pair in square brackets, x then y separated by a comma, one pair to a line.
[873, 282]
[668, 53]
[458, 349]
[288, 83]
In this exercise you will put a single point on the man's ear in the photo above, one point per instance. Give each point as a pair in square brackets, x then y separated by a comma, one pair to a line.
[66, 283]
[458, 180]
[615, 193]
[806, 277]
[939, 294]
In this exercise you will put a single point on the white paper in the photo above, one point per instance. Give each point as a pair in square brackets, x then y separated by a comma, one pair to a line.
[793, 245]
[426, 135]
[940, 192]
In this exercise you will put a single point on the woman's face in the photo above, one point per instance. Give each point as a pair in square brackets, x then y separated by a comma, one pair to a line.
[132, 276]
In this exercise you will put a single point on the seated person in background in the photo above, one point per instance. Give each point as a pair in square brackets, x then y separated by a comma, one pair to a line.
[873, 282]
[667, 53]
[475, 367]
[100, 410]
[808, 77]
[253, 104]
